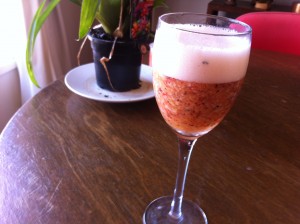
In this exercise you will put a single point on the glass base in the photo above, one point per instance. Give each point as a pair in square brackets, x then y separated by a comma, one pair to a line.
[158, 210]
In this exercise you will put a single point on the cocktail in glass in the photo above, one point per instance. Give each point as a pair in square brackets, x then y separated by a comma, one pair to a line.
[199, 65]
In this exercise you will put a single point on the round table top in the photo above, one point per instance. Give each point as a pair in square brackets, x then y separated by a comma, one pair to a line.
[68, 159]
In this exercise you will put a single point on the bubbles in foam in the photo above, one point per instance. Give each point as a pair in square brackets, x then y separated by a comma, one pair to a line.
[205, 29]
[206, 54]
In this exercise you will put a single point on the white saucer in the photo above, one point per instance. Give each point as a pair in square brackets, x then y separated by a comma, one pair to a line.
[82, 81]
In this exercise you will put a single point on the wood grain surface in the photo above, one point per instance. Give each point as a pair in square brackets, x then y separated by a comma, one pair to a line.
[66, 159]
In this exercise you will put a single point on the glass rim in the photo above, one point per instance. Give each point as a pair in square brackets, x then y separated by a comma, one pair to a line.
[222, 18]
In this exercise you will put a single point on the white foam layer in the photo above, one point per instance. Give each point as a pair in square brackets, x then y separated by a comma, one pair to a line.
[198, 57]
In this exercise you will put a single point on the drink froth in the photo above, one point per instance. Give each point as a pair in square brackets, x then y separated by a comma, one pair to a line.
[202, 58]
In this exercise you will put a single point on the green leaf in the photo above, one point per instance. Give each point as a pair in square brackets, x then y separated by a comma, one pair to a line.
[87, 16]
[108, 14]
[37, 22]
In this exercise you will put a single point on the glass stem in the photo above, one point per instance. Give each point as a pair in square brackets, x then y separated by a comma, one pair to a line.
[185, 150]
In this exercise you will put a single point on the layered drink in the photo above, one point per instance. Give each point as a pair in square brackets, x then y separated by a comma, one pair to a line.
[197, 76]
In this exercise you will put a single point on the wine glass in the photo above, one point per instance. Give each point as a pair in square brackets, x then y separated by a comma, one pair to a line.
[199, 64]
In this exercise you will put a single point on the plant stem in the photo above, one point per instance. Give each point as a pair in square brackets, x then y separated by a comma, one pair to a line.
[185, 150]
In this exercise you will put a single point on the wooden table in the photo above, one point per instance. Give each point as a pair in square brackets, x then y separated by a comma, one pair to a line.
[67, 159]
[241, 7]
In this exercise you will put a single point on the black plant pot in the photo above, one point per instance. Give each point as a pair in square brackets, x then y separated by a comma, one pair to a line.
[123, 69]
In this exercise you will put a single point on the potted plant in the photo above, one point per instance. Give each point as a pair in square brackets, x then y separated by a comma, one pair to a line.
[117, 42]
